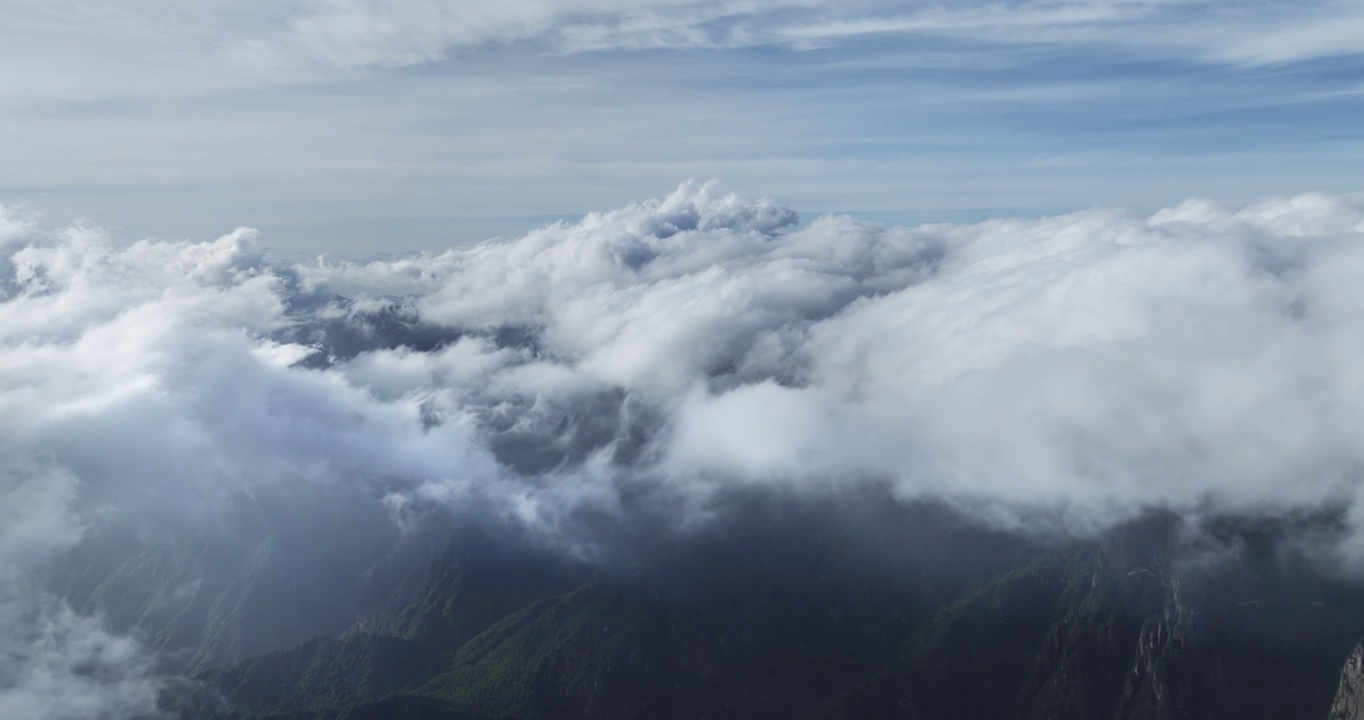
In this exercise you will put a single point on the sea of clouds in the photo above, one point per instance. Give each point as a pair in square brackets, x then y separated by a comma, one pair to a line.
[1058, 374]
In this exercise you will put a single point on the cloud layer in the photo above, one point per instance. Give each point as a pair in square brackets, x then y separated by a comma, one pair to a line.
[1062, 373]
[329, 122]
[1088, 364]
[220, 45]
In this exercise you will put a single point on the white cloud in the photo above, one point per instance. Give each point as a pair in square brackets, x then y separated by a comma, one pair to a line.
[83, 52]
[541, 108]
[1090, 364]
[1336, 33]
[1082, 367]
[55, 663]
[1001, 22]
[1094, 363]
[355, 33]
[60, 665]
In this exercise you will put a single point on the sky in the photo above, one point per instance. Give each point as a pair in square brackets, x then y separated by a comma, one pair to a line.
[958, 254]
[357, 127]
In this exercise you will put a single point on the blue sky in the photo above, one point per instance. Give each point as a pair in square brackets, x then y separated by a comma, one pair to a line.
[357, 126]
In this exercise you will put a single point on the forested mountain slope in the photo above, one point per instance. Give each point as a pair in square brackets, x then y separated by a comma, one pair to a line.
[905, 613]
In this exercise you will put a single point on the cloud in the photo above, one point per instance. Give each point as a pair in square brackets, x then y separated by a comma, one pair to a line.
[359, 33]
[55, 663]
[1089, 365]
[224, 46]
[972, 20]
[1328, 35]
[1057, 374]
[61, 665]
[447, 122]
[356, 33]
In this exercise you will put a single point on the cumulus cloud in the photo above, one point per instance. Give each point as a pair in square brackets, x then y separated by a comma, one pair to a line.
[1091, 364]
[1087, 365]
[1080, 368]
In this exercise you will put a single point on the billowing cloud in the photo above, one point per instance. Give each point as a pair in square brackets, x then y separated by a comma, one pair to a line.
[1079, 368]
[1091, 364]
[351, 33]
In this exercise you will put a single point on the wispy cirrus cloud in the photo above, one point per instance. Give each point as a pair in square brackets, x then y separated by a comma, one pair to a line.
[1085, 366]
[306, 39]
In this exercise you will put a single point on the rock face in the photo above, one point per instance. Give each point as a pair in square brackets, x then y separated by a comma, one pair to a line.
[1349, 702]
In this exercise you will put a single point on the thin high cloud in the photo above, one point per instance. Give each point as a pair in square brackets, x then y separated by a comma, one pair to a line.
[325, 123]
[352, 33]
[303, 41]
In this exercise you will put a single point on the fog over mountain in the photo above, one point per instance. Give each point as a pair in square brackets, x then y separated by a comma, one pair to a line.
[633, 378]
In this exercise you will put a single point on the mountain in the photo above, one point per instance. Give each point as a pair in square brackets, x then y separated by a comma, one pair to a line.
[1118, 630]
[785, 611]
